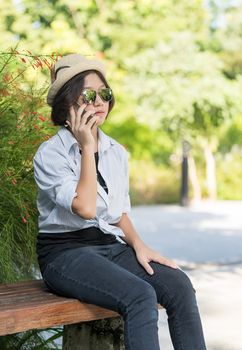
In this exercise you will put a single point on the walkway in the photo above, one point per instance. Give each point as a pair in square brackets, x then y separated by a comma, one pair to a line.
[206, 241]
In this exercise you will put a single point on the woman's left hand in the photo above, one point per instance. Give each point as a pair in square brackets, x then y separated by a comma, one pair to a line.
[145, 254]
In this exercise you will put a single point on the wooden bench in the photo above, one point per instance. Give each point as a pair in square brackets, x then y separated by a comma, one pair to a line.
[31, 305]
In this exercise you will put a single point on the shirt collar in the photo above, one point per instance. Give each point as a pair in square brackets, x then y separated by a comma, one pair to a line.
[104, 141]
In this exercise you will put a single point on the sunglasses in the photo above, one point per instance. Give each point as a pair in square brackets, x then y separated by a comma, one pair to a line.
[89, 95]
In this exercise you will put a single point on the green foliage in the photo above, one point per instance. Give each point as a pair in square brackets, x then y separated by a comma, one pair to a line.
[33, 339]
[22, 129]
[229, 176]
[20, 133]
[227, 41]
[183, 90]
[145, 143]
[231, 136]
[152, 184]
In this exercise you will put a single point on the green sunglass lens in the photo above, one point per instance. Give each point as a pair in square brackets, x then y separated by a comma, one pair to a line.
[106, 94]
[89, 95]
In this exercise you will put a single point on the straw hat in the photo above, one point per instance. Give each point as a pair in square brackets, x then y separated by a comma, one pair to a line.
[66, 68]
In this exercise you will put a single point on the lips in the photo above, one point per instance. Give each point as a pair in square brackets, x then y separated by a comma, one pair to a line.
[99, 112]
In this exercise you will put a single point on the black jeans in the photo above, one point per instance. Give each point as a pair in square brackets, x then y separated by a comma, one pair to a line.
[111, 276]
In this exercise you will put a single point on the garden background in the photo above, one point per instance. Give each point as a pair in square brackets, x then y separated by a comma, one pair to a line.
[176, 71]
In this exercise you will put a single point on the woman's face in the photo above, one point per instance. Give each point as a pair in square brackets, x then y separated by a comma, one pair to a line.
[93, 81]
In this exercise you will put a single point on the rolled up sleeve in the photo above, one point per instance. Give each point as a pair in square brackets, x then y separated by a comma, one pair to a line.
[55, 178]
[126, 203]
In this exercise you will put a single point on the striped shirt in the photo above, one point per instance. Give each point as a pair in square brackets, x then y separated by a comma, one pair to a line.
[57, 167]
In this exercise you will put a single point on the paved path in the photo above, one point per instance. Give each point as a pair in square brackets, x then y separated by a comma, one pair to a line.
[209, 232]
[206, 241]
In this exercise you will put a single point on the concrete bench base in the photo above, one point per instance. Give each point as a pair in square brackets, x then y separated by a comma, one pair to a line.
[104, 334]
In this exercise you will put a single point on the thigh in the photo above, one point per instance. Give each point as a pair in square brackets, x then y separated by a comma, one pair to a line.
[90, 276]
[166, 281]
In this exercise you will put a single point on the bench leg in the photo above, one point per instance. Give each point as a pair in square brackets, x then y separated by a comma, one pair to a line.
[106, 334]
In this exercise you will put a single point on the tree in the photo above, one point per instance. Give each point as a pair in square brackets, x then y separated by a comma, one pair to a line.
[185, 92]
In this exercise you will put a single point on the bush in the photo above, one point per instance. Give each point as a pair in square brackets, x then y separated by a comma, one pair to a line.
[22, 129]
[229, 175]
[153, 184]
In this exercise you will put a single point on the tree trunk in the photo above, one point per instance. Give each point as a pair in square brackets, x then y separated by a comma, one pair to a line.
[210, 171]
[194, 179]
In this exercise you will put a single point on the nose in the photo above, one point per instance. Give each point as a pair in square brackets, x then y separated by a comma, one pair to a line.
[98, 100]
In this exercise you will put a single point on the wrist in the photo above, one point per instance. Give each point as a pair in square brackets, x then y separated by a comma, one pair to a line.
[87, 149]
[137, 243]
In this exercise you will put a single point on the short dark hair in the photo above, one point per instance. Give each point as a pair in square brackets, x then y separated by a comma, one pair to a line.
[69, 94]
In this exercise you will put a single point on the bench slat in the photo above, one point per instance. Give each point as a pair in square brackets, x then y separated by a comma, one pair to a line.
[21, 285]
[31, 305]
[55, 310]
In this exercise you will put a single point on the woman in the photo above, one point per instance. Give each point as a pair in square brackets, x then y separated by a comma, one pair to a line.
[87, 245]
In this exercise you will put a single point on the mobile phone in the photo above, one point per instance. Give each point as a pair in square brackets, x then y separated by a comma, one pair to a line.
[77, 106]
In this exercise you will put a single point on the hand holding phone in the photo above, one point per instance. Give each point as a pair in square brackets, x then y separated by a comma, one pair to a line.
[81, 123]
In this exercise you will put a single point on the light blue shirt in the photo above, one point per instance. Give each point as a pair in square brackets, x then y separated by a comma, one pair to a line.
[57, 167]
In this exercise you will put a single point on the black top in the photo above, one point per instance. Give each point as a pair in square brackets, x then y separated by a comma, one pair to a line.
[99, 176]
[50, 245]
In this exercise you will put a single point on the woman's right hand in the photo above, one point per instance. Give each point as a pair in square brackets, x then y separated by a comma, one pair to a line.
[80, 127]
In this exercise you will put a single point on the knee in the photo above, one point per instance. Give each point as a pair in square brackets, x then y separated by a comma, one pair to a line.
[143, 292]
[143, 300]
[183, 286]
[148, 292]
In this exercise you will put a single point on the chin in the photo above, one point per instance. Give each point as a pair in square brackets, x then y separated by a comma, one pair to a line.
[101, 121]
